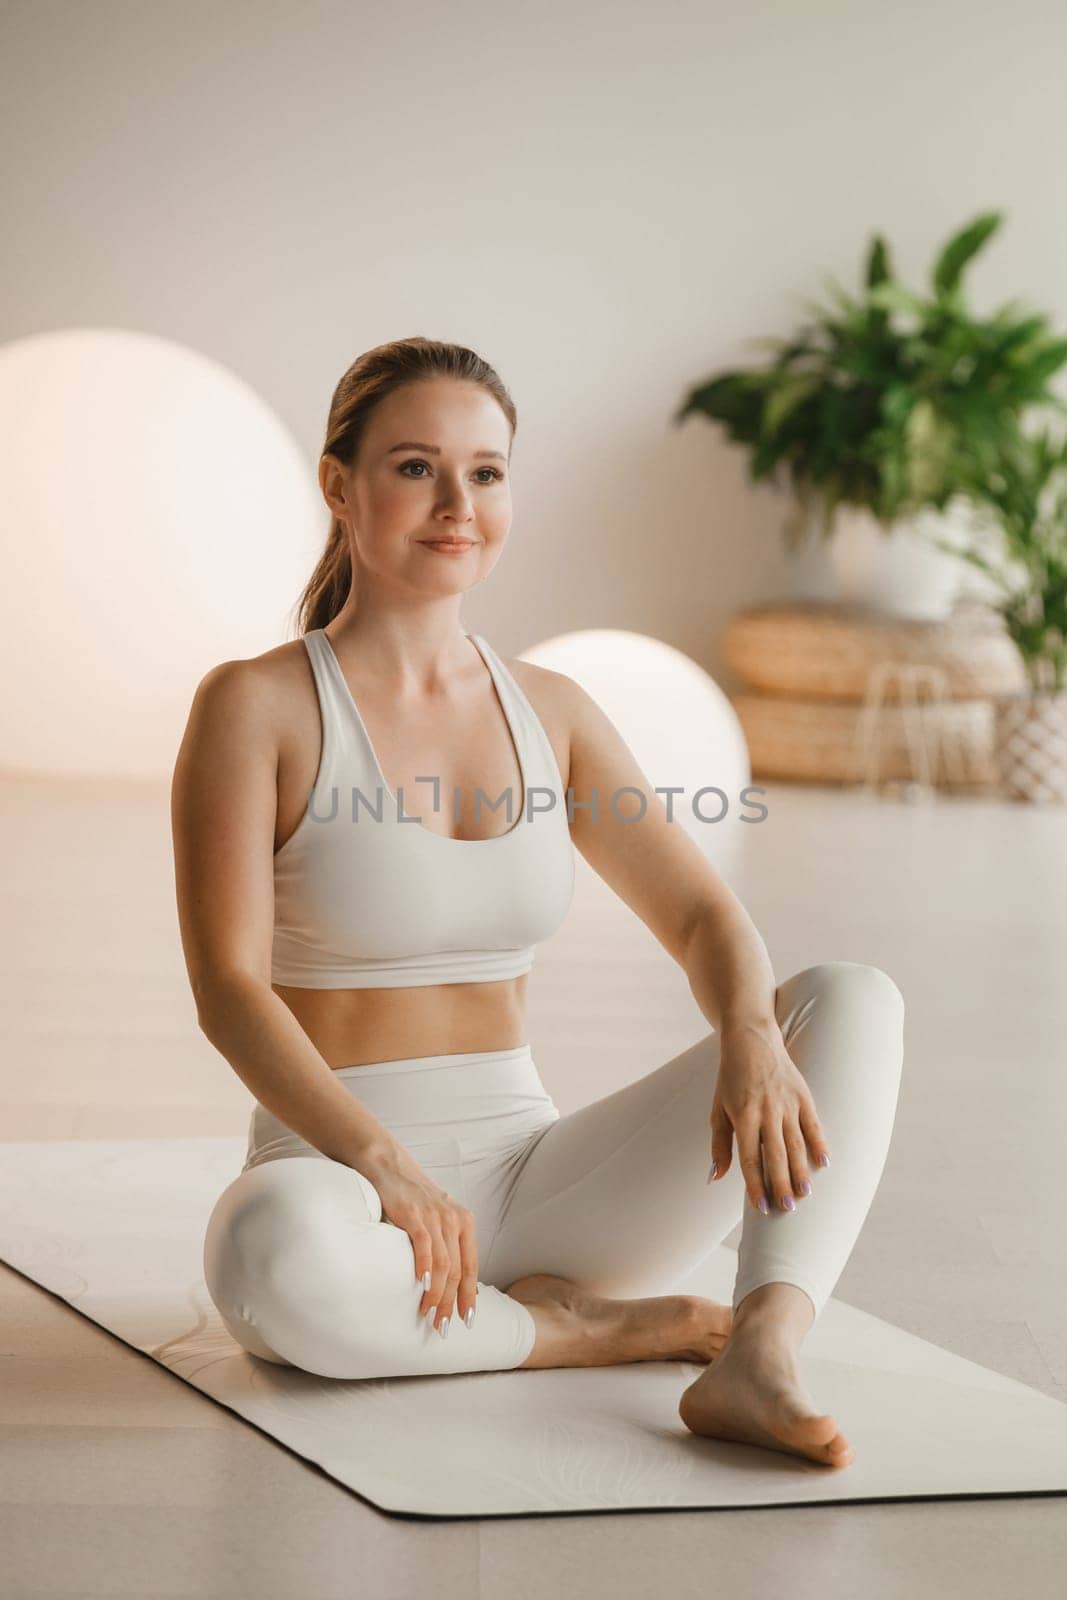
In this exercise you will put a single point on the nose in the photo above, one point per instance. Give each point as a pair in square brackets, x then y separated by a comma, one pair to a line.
[458, 507]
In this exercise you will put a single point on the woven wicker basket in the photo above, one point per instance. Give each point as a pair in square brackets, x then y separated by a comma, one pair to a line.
[829, 649]
[822, 741]
[1030, 743]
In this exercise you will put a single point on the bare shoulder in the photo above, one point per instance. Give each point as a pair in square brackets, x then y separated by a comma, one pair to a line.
[265, 688]
[561, 695]
[558, 701]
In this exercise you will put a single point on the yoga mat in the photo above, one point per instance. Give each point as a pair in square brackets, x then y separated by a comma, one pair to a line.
[115, 1226]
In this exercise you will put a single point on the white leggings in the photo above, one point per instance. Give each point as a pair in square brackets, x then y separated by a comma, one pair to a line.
[305, 1272]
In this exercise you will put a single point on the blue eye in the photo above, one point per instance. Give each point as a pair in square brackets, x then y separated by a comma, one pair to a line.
[416, 462]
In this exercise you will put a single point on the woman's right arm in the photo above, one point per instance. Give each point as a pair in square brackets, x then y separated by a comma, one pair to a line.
[224, 799]
[224, 802]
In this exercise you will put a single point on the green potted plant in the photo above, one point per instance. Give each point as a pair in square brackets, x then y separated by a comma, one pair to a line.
[875, 410]
[1021, 509]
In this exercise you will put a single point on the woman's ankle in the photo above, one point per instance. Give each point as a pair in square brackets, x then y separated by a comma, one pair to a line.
[776, 1312]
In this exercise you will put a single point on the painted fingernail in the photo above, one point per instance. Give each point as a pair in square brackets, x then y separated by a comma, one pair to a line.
[764, 1207]
[711, 1174]
[469, 1318]
[428, 1314]
[443, 1329]
[805, 1187]
[788, 1202]
[426, 1280]
[824, 1160]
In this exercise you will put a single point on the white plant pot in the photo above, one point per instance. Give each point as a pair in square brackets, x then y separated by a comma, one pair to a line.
[901, 573]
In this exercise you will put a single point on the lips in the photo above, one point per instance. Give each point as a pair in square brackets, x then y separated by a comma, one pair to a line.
[449, 544]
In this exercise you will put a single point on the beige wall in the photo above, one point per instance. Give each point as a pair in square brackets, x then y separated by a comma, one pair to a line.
[605, 201]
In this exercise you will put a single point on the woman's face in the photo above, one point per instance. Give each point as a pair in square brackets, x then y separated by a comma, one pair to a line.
[433, 465]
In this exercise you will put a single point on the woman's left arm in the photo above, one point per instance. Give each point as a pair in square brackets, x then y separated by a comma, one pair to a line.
[662, 874]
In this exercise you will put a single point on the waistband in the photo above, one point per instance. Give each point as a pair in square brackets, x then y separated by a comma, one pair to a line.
[480, 1102]
[382, 1069]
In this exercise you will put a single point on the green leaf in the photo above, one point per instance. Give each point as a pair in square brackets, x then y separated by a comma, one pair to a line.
[897, 402]
[1029, 382]
[894, 297]
[1009, 311]
[767, 454]
[734, 398]
[1032, 328]
[960, 249]
[878, 269]
[780, 403]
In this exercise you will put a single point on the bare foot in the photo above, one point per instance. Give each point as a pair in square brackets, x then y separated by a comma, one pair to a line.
[712, 1323]
[754, 1395]
[576, 1327]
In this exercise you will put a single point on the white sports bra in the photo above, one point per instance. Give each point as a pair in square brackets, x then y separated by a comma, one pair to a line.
[366, 896]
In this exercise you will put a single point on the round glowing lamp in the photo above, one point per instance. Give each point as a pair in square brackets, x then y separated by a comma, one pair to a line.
[158, 519]
[681, 727]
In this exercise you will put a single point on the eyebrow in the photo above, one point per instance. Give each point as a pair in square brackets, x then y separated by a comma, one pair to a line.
[432, 450]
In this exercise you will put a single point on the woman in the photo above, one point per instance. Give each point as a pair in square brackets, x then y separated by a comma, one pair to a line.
[358, 925]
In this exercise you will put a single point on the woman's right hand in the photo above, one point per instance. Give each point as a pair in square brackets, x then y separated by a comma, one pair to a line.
[442, 1233]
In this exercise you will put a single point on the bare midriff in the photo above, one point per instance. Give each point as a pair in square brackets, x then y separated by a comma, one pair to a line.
[358, 1027]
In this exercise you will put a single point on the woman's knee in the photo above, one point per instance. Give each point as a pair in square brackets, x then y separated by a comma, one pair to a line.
[282, 1256]
[853, 976]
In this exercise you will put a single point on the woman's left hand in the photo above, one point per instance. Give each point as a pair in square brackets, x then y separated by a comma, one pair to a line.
[762, 1096]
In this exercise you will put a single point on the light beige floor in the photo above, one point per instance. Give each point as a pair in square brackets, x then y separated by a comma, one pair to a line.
[118, 1479]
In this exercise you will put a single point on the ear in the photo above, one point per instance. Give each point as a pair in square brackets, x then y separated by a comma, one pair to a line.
[333, 481]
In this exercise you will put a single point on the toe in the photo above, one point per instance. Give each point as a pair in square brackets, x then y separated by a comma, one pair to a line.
[839, 1452]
